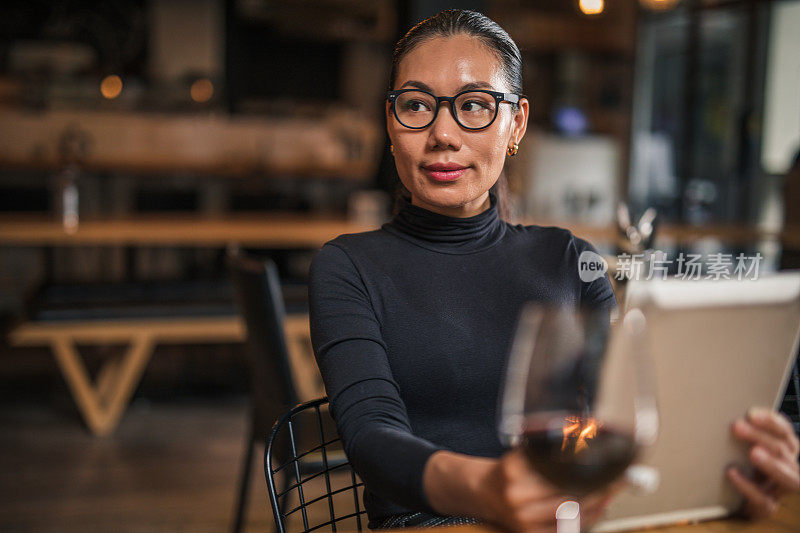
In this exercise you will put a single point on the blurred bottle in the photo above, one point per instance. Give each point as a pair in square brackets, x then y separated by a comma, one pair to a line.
[68, 199]
[368, 207]
[73, 146]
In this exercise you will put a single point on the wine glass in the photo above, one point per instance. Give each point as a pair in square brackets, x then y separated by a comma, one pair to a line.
[578, 397]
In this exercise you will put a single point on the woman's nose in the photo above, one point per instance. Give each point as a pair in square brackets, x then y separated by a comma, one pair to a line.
[445, 132]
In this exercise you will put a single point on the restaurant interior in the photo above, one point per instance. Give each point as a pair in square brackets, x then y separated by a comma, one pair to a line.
[153, 151]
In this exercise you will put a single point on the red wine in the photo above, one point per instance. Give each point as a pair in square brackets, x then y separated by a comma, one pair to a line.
[579, 457]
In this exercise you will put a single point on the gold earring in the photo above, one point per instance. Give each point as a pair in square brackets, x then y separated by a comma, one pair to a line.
[512, 150]
[391, 148]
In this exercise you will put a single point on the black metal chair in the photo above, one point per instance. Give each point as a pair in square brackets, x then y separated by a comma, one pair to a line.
[315, 474]
[257, 291]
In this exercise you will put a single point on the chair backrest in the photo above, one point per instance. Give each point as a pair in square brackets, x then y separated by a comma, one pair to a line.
[258, 296]
[315, 489]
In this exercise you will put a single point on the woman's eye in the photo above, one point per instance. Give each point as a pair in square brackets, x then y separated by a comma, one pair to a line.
[415, 105]
[474, 106]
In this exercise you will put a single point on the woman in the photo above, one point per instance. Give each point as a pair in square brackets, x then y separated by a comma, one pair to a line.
[411, 323]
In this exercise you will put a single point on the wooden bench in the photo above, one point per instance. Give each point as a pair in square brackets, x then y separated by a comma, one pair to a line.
[103, 402]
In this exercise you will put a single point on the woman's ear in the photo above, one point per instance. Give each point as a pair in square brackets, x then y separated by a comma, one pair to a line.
[520, 124]
[388, 114]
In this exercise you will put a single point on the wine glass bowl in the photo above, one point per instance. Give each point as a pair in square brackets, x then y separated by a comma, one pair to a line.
[578, 455]
[577, 396]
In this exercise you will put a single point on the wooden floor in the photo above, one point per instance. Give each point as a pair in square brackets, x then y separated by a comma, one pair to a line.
[168, 467]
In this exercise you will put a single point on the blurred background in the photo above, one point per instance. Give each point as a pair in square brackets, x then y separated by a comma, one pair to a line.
[142, 142]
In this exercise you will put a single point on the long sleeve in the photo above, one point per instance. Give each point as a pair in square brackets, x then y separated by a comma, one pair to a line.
[364, 397]
[599, 292]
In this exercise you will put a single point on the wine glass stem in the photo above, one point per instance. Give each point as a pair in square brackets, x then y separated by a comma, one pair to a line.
[568, 517]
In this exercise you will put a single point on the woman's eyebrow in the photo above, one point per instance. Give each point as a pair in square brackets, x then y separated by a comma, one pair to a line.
[476, 85]
[465, 87]
[418, 85]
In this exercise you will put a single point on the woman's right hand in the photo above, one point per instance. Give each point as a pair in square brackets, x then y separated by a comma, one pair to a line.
[519, 500]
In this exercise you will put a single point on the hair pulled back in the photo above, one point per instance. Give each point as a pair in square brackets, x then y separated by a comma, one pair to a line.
[452, 22]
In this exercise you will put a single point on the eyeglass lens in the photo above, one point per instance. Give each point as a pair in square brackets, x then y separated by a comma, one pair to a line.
[416, 109]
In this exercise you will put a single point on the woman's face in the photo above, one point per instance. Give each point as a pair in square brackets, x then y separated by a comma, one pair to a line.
[445, 66]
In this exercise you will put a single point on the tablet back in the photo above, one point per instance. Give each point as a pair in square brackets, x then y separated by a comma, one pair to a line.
[718, 347]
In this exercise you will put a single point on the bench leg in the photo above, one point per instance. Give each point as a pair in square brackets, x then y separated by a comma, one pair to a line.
[108, 376]
[307, 379]
[102, 405]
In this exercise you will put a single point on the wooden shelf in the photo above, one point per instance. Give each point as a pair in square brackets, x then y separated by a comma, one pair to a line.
[335, 145]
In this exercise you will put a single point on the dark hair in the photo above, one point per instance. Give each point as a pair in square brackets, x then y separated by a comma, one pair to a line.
[451, 22]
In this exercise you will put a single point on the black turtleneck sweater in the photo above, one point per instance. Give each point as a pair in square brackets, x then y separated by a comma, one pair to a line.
[411, 325]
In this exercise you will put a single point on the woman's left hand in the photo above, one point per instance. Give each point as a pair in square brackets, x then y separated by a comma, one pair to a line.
[774, 452]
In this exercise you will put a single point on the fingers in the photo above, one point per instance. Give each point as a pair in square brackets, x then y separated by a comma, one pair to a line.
[534, 516]
[592, 510]
[521, 479]
[774, 451]
[524, 501]
[758, 504]
[541, 512]
[527, 503]
[784, 472]
[777, 424]
[594, 505]
[777, 445]
[603, 496]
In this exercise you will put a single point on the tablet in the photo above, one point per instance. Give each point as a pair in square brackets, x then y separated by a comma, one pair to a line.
[718, 347]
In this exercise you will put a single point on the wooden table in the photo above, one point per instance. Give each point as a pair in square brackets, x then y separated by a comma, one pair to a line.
[103, 402]
[289, 230]
[785, 520]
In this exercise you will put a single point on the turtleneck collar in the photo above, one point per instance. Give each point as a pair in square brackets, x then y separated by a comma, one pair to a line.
[446, 234]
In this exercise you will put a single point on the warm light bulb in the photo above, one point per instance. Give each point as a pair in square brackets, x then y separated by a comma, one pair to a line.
[658, 5]
[111, 86]
[202, 90]
[591, 7]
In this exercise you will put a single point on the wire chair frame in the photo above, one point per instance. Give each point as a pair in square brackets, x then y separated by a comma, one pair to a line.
[293, 468]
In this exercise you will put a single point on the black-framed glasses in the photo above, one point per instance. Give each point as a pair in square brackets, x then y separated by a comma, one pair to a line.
[473, 109]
